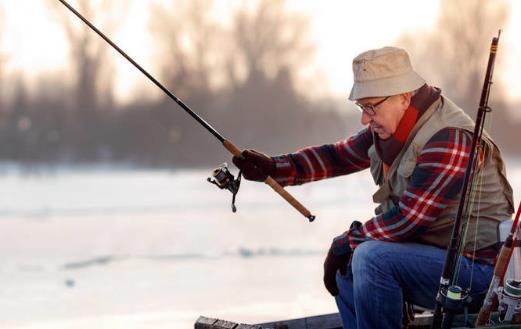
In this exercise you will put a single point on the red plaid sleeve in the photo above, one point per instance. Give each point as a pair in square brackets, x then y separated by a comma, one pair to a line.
[436, 180]
[319, 162]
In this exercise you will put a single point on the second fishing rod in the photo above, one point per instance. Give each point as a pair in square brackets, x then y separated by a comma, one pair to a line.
[450, 297]
[234, 150]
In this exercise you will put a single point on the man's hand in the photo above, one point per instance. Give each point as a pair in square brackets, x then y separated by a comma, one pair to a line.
[337, 259]
[332, 264]
[255, 165]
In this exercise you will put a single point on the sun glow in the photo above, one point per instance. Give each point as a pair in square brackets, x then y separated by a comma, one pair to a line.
[33, 42]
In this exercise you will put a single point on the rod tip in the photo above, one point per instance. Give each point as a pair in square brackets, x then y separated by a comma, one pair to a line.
[311, 218]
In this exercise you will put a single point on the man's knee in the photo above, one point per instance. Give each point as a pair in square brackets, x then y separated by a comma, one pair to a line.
[371, 254]
[366, 250]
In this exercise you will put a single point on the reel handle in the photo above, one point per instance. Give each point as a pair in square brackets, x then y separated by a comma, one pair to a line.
[274, 185]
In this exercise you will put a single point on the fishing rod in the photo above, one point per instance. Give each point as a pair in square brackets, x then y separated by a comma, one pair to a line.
[226, 143]
[451, 298]
[491, 301]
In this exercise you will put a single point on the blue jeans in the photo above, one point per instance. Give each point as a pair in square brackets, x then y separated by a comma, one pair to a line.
[382, 274]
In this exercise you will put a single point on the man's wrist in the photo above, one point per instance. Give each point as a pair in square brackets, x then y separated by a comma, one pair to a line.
[340, 245]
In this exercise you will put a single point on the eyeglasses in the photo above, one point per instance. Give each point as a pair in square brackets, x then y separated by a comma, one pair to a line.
[370, 109]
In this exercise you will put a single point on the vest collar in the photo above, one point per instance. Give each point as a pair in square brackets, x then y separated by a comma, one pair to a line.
[389, 149]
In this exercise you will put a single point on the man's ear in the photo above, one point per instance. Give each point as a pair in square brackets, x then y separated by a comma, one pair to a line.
[405, 99]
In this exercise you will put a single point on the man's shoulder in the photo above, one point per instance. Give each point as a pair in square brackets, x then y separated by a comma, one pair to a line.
[448, 138]
[450, 134]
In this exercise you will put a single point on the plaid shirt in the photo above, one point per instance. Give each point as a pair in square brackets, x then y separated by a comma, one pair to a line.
[436, 180]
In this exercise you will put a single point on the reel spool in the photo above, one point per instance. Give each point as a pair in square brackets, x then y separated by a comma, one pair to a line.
[454, 299]
[223, 178]
[509, 300]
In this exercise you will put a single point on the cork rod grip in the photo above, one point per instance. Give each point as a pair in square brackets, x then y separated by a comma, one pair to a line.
[232, 148]
[491, 299]
[288, 197]
[274, 185]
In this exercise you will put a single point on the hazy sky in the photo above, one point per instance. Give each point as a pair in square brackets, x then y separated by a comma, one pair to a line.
[34, 41]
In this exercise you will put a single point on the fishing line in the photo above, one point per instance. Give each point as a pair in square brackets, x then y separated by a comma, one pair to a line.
[476, 226]
[474, 194]
[471, 195]
[486, 150]
[226, 143]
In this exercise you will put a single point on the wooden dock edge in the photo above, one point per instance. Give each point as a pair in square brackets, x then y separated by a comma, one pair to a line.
[331, 321]
[327, 321]
[210, 323]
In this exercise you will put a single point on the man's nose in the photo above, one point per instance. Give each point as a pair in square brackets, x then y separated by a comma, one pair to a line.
[366, 118]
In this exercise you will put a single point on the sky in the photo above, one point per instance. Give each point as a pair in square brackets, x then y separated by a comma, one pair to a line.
[34, 44]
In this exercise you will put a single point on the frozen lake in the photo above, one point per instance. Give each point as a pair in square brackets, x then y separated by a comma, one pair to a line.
[105, 248]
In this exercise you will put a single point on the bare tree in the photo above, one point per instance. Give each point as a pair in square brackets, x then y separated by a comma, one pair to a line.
[270, 46]
[2, 61]
[189, 39]
[267, 40]
[91, 93]
[92, 68]
[454, 55]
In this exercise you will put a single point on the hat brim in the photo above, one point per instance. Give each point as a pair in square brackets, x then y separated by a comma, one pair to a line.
[386, 87]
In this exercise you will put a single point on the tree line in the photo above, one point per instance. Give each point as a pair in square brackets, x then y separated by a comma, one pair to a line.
[254, 102]
[241, 78]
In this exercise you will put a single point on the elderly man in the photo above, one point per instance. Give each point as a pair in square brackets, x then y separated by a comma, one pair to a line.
[416, 143]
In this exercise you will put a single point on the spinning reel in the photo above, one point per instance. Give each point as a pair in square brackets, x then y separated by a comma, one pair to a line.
[223, 178]
[509, 298]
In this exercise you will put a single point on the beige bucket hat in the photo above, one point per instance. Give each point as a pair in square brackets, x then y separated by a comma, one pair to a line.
[383, 72]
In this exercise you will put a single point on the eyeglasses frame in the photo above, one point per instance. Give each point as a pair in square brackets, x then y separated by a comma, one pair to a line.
[370, 109]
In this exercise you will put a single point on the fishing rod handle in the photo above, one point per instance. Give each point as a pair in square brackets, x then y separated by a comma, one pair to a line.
[505, 254]
[274, 185]
[490, 301]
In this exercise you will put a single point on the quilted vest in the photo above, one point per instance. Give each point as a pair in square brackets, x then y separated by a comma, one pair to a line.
[494, 199]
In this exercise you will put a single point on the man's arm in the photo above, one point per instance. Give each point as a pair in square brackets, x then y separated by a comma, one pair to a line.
[436, 180]
[319, 162]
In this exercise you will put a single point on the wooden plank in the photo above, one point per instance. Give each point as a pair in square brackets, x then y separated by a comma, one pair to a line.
[209, 323]
[204, 323]
[326, 321]
[421, 321]
[247, 326]
[333, 321]
[287, 324]
[223, 324]
[424, 321]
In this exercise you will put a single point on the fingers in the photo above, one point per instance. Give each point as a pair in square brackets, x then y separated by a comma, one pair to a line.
[330, 269]
[250, 171]
[343, 269]
[250, 155]
[239, 162]
[330, 282]
[244, 162]
[333, 264]
[254, 156]
[252, 164]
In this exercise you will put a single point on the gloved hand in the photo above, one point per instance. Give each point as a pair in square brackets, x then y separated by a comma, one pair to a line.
[337, 259]
[255, 165]
[332, 264]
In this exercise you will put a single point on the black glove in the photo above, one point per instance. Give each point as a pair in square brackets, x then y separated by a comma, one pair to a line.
[337, 262]
[332, 264]
[255, 165]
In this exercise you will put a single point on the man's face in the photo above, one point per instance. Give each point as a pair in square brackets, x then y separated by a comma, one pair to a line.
[385, 114]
